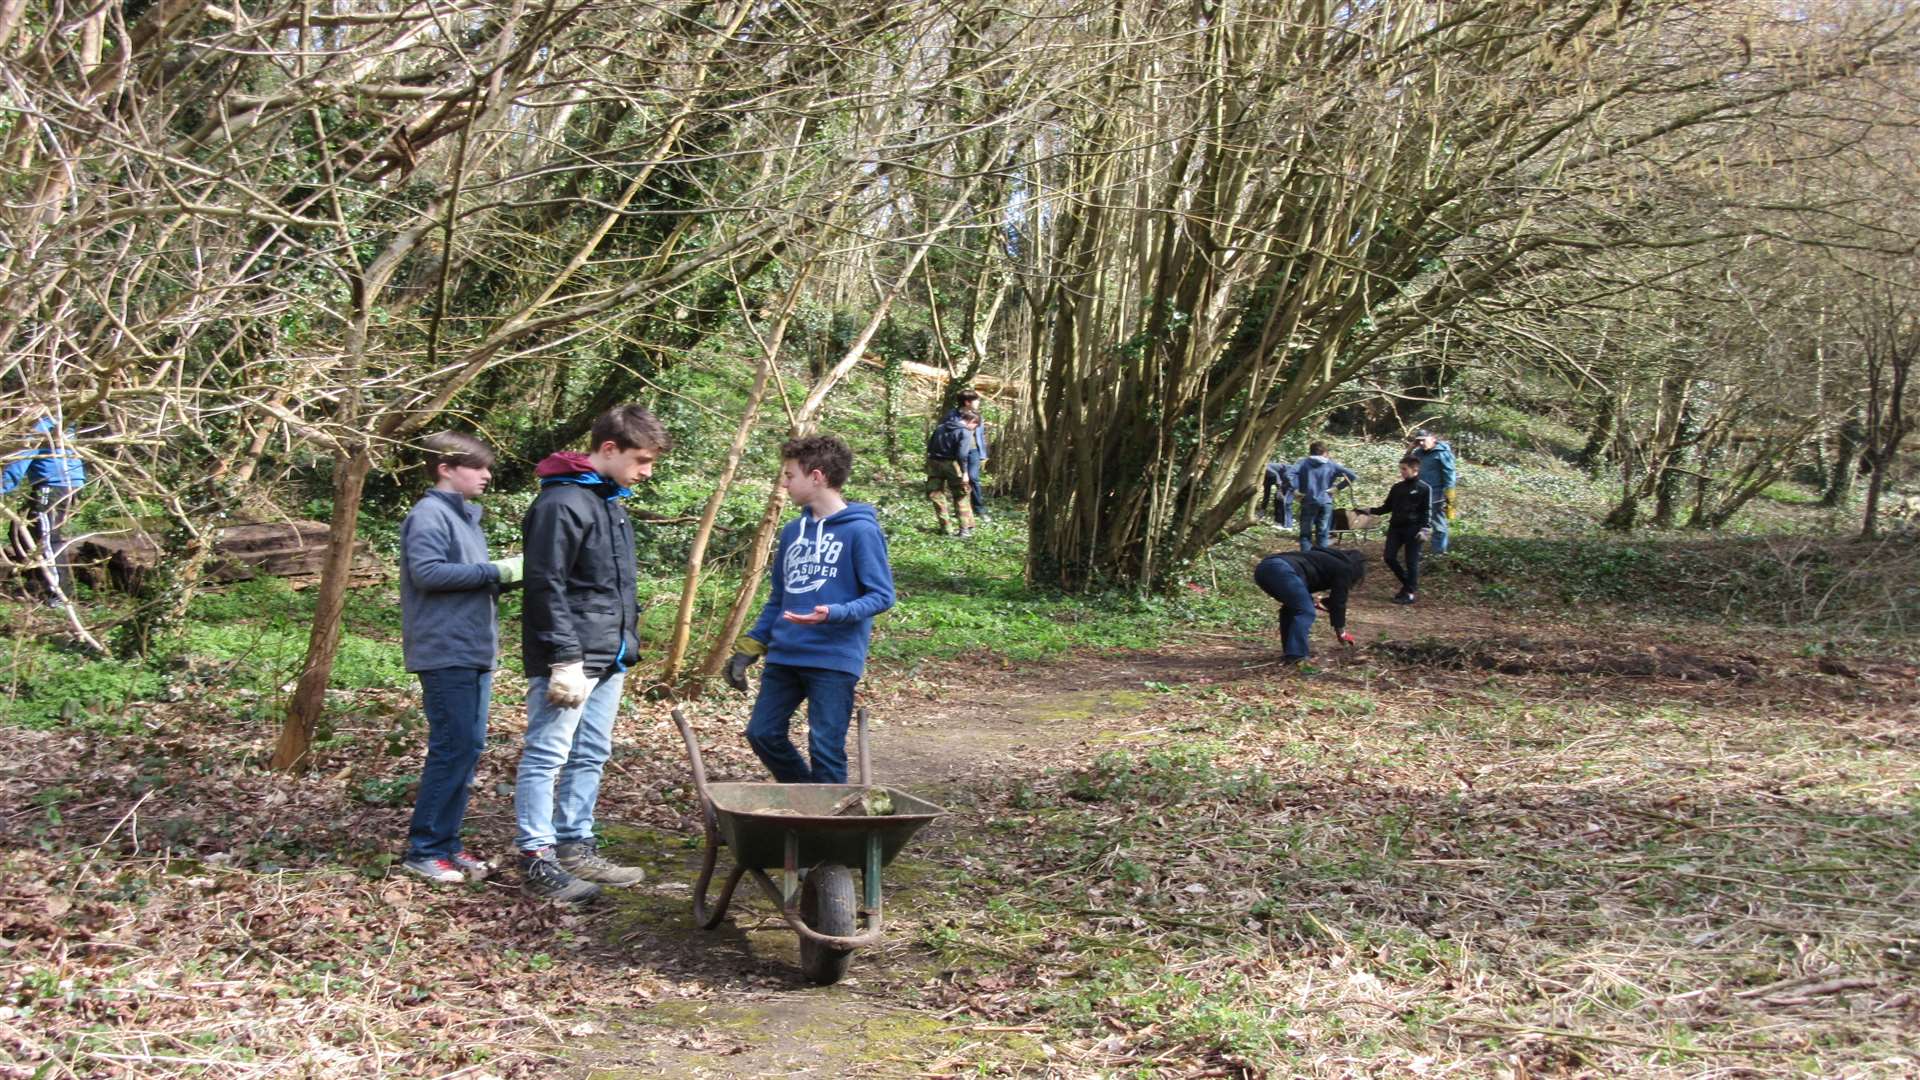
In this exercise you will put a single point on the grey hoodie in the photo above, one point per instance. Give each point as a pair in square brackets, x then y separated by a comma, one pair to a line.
[448, 589]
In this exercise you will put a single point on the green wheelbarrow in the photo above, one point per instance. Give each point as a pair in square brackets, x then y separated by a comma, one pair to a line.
[799, 831]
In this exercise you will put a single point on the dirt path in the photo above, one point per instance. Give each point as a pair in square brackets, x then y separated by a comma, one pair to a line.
[733, 1003]
[944, 733]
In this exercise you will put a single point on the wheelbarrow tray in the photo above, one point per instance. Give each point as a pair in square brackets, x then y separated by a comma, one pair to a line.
[758, 838]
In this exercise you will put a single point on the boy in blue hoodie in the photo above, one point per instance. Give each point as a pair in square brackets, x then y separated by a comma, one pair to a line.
[52, 468]
[832, 578]
[1315, 477]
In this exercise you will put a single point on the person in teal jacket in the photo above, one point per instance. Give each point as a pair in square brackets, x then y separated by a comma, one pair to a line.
[52, 468]
[1437, 471]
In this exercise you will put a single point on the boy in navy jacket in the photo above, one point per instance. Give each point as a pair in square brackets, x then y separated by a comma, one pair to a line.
[832, 578]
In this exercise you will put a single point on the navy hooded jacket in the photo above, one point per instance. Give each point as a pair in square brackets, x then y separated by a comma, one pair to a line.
[840, 562]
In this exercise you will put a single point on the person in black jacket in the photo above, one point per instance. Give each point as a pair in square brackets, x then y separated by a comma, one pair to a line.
[1411, 503]
[579, 633]
[1292, 577]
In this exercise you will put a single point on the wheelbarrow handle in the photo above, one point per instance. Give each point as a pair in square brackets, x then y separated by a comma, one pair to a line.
[699, 771]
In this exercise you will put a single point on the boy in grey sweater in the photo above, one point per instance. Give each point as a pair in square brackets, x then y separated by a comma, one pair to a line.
[450, 636]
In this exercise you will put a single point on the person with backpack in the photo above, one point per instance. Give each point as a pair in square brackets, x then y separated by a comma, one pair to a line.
[976, 455]
[947, 469]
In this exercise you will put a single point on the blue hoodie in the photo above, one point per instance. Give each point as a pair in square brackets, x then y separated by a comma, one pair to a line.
[840, 562]
[1313, 477]
[52, 465]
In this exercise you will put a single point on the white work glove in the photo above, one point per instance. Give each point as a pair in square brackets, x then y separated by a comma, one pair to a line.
[1425, 535]
[567, 685]
[511, 570]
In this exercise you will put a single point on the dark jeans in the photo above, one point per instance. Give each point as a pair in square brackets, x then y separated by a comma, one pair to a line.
[1409, 542]
[1283, 511]
[829, 698]
[455, 700]
[1279, 579]
[973, 482]
[1316, 521]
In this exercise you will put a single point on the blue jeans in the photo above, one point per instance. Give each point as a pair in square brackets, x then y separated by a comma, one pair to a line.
[455, 701]
[1316, 520]
[1281, 580]
[1437, 521]
[560, 767]
[973, 485]
[829, 698]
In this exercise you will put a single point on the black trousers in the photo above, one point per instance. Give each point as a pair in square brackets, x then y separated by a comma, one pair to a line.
[1405, 541]
[42, 547]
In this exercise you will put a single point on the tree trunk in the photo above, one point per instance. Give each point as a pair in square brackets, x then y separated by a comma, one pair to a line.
[683, 619]
[1840, 474]
[1599, 435]
[291, 752]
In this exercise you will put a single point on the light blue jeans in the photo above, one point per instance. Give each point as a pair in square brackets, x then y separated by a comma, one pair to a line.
[566, 751]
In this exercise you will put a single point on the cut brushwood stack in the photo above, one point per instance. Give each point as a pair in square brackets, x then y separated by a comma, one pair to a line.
[294, 550]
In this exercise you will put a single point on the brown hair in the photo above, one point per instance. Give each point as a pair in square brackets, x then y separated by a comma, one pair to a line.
[454, 448]
[968, 416]
[630, 427]
[1410, 460]
[823, 452]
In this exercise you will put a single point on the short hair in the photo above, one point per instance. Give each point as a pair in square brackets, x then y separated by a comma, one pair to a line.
[823, 452]
[630, 427]
[969, 394]
[454, 448]
[1316, 449]
[1410, 460]
[968, 416]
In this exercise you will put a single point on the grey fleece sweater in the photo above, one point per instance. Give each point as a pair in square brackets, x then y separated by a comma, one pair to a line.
[448, 589]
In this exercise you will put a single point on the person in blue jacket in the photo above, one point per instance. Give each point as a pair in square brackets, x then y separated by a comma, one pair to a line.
[53, 469]
[831, 579]
[976, 453]
[1438, 472]
[1315, 477]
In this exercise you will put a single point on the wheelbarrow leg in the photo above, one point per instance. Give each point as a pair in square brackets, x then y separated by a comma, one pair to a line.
[866, 757]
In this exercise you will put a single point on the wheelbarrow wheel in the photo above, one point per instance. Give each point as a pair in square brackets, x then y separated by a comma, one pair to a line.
[827, 905]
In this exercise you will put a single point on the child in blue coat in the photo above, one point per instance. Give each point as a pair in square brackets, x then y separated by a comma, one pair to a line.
[832, 577]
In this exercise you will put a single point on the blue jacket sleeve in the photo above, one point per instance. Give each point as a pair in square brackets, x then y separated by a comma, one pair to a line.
[874, 575]
[1447, 470]
[425, 541]
[1352, 477]
[15, 471]
[762, 630]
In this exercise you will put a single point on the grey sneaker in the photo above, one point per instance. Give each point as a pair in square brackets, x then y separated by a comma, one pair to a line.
[438, 871]
[542, 876]
[475, 867]
[579, 858]
[964, 533]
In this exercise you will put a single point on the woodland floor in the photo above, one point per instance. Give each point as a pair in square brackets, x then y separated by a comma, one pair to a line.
[1474, 845]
